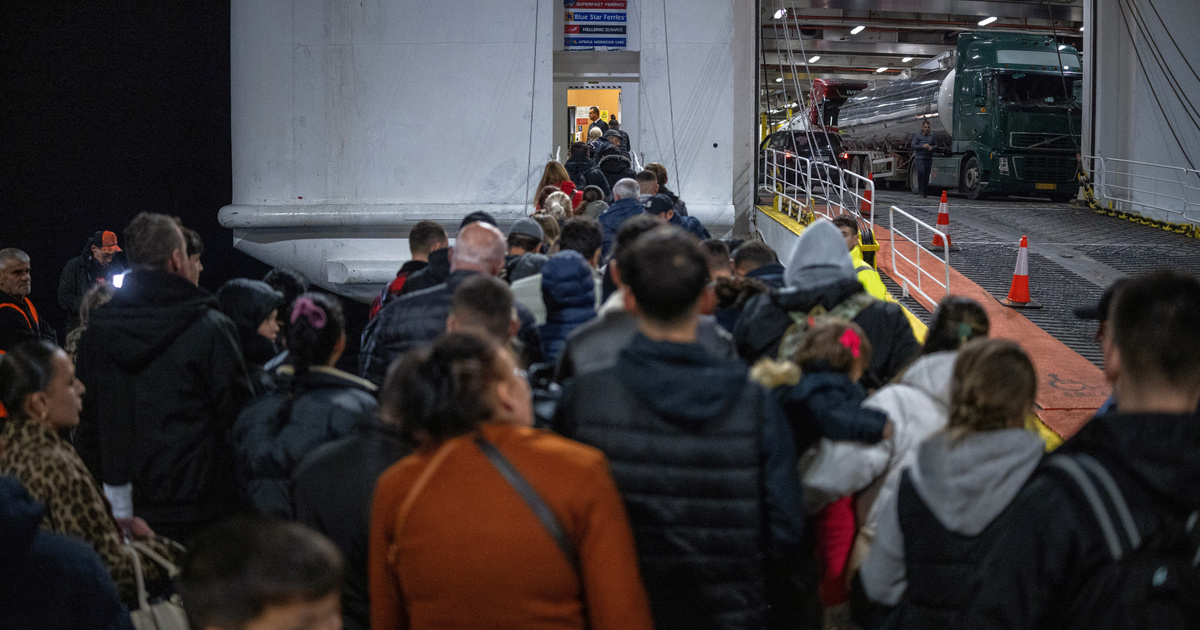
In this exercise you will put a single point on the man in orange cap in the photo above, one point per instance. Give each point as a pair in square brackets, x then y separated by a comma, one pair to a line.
[97, 263]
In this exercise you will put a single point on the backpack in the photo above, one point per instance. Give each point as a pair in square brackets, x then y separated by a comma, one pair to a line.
[1153, 580]
[801, 322]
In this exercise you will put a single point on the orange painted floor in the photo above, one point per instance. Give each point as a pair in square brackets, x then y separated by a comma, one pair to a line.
[1070, 388]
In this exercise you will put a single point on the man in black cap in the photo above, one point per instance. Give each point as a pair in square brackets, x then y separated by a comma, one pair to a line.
[617, 140]
[660, 206]
[96, 263]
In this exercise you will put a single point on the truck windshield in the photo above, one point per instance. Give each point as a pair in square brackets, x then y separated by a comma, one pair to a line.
[1035, 89]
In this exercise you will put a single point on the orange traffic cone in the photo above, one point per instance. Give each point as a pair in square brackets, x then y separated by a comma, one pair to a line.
[943, 223]
[867, 206]
[1018, 293]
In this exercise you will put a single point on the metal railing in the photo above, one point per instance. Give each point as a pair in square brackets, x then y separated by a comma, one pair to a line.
[1156, 191]
[802, 182]
[916, 249]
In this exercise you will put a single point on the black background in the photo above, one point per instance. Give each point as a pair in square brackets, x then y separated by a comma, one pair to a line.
[110, 109]
[106, 110]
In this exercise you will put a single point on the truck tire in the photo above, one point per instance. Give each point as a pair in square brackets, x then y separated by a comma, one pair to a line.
[971, 180]
[856, 164]
[913, 180]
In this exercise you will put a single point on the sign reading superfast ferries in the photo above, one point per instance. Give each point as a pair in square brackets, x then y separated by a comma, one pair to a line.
[595, 24]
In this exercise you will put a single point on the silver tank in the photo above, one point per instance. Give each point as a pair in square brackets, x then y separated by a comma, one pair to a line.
[884, 117]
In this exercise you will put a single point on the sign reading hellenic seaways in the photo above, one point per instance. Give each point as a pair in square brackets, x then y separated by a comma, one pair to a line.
[595, 24]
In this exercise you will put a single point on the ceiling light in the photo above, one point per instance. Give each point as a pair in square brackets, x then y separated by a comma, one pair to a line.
[986, 21]
[883, 69]
[1080, 29]
[906, 60]
[814, 58]
[779, 80]
[857, 29]
[780, 13]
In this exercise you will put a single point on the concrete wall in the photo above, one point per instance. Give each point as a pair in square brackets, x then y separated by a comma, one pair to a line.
[1140, 95]
[353, 120]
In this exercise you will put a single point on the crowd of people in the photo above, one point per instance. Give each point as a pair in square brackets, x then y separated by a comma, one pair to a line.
[598, 417]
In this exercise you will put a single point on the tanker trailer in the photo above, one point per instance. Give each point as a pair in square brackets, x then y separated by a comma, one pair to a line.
[1003, 111]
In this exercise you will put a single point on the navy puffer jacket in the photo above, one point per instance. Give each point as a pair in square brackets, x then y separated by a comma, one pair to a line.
[569, 293]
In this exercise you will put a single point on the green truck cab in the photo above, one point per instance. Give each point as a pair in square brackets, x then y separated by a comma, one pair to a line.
[1015, 120]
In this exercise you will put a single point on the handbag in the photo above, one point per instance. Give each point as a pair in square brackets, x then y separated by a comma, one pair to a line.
[167, 614]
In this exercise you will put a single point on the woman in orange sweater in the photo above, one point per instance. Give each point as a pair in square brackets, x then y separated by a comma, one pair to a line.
[453, 542]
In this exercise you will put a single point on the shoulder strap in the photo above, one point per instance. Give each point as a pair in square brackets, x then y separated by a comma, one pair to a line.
[1081, 468]
[17, 309]
[531, 497]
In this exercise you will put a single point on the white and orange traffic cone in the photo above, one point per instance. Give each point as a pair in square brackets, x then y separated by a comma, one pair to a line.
[867, 206]
[1018, 293]
[943, 224]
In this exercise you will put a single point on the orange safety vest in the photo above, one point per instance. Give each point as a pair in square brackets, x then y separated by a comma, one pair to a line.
[32, 326]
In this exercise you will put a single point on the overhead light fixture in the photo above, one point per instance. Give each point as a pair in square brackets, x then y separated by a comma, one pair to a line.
[780, 13]
[986, 21]
[1080, 29]
[779, 80]
[906, 60]
[857, 29]
[883, 69]
[814, 59]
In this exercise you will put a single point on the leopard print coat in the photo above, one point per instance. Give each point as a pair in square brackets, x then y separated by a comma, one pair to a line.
[48, 466]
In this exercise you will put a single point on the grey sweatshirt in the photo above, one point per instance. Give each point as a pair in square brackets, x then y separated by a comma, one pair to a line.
[965, 483]
[919, 139]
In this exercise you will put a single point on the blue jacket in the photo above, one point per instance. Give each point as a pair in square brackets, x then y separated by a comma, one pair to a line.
[771, 274]
[611, 220]
[570, 296]
[826, 404]
[50, 581]
[692, 225]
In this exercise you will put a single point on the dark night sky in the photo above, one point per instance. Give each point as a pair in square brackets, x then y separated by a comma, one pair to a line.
[110, 109]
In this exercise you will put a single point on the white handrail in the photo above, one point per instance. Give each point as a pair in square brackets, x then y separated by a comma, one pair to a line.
[907, 283]
[1172, 192]
[806, 180]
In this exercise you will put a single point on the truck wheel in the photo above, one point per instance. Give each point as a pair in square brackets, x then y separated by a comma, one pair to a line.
[856, 165]
[971, 180]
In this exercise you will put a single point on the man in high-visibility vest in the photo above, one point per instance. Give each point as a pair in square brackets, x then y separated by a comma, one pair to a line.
[19, 321]
[867, 276]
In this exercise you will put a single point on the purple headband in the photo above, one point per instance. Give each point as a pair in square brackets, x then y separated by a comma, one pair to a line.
[309, 309]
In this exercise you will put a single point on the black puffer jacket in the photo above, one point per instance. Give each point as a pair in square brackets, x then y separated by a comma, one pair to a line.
[332, 490]
[165, 382]
[706, 464]
[325, 405]
[418, 318]
[50, 581]
[615, 167]
[432, 275]
[765, 319]
[584, 173]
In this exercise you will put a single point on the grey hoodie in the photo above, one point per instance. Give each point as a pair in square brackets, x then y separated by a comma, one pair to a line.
[966, 483]
[818, 258]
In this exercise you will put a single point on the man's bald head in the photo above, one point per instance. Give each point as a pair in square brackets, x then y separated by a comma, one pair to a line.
[479, 247]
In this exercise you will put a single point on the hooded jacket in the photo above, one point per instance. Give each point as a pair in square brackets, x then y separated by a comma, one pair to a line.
[584, 173]
[614, 166]
[248, 303]
[918, 404]
[569, 293]
[78, 275]
[612, 218]
[706, 464]
[50, 581]
[332, 489]
[1038, 567]
[165, 382]
[825, 404]
[325, 404]
[393, 288]
[680, 205]
[819, 272]
[771, 273]
[948, 511]
[431, 275]
[523, 266]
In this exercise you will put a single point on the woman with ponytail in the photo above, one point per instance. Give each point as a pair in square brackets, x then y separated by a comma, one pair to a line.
[39, 390]
[951, 504]
[314, 404]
